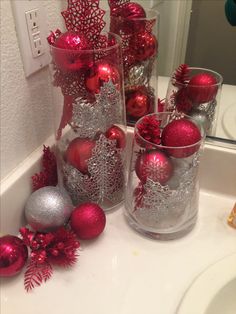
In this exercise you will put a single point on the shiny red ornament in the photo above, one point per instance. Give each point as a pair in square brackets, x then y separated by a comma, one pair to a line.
[139, 102]
[116, 133]
[88, 221]
[132, 11]
[183, 134]
[154, 165]
[69, 56]
[202, 88]
[13, 255]
[79, 152]
[182, 101]
[144, 45]
[101, 73]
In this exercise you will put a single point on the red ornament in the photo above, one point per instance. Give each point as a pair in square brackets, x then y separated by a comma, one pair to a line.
[182, 101]
[131, 11]
[116, 133]
[69, 57]
[102, 72]
[139, 102]
[144, 45]
[154, 165]
[88, 221]
[13, 255]
[79, 152]
[202, 88]
[183, 134]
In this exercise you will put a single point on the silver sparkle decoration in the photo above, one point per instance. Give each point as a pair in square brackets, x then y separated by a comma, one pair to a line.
[165, 207]
[202, 118]
[140, 74]
[106, 175]
[48, 208]
[90, 118]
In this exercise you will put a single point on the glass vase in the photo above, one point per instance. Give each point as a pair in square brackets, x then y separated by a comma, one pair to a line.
[198, 96]
[163, 186]
[90, 122]
[140, 50]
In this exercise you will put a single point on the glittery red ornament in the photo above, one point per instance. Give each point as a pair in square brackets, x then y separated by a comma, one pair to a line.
[183, 134]
[182, 101]
[78, 153]
[144, 45]
[116, 133]
[102, 72]
[202, 88]
[88, 221]
[13, 255]
[154, 165]
[69, 56]
[131, 11]
[139, 102]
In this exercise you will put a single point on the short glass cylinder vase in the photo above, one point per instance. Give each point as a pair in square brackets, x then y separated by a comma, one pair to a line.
[163, 186]
[90, 122]
[197, 94]
[139, 49]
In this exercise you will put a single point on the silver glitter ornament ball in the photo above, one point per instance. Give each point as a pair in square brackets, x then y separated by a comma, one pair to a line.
[201, 118]
[137, 75]
[48, 208]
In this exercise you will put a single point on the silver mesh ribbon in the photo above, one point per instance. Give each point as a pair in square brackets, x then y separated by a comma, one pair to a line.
[90, 118]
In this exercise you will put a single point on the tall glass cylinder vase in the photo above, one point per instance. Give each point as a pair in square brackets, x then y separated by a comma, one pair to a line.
[140, 49]
[90, 122]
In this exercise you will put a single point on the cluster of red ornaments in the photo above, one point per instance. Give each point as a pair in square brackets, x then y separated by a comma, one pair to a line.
[128, 20]
[192, 92]
[179, 139]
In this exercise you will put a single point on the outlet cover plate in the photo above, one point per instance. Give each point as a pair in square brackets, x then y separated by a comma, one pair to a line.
[31, 63]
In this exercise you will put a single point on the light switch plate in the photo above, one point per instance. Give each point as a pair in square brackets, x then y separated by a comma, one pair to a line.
[31, 30]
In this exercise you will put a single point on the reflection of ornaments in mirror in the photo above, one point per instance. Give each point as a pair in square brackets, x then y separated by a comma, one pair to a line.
[139, 102]
[79, 152]
[181, 133]
[202, 88]
[144, 45]
[201, 118]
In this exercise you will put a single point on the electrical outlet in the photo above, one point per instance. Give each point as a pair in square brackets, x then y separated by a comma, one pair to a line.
[31, 29]
[32, 19]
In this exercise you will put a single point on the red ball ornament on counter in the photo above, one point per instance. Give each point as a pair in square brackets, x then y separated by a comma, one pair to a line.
[183, 134]
[139, 102]
[13, 255]
[202, 88]
[154, 165]
[69, 56]
[88, 221]
[116, 133]
[99, 74]
[144, 45]
[79, 152]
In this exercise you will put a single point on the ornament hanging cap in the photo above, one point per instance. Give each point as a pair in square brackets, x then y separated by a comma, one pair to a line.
[85, 17]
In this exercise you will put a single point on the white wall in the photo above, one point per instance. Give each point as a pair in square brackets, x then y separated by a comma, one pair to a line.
[25, 103]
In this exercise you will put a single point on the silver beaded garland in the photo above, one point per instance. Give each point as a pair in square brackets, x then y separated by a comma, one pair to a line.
[48, 208]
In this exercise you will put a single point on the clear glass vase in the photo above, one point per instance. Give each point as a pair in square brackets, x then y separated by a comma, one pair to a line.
[163, 187]
[90, 122]
[140, 50]
[198, 97]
